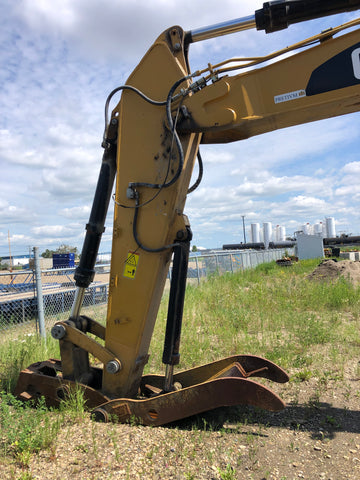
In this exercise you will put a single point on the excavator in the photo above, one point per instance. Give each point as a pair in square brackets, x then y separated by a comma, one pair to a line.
[151, 145]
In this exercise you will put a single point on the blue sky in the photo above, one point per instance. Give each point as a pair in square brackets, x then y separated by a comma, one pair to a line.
[60, 59]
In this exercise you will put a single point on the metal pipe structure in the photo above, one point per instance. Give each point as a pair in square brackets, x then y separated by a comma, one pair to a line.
[77, 303]
[219, 29]
[40, 302]
[275, 15]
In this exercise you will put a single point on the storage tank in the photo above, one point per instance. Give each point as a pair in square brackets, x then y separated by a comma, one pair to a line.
[306, 228]
[324, 232]
[280, 233]
[330, 227]
[255, 232]
[318, 229]
[267, 228]
[277, 233]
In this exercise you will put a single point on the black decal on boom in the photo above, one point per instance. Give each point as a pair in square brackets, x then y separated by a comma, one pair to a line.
[338, 72]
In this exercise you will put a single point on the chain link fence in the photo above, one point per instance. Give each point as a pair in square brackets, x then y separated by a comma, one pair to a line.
[19, 299]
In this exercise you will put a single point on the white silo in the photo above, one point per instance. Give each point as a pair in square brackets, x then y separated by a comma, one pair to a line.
[255, 232]
[306, 228]
[277, 233]
[324, 232]
[267, 228]
[330, 227]
[318, 229]
[282, 234]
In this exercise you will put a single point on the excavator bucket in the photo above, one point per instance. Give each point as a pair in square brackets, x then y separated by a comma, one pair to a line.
[222, 383]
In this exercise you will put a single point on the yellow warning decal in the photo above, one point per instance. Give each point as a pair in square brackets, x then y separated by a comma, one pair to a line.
[131, 265]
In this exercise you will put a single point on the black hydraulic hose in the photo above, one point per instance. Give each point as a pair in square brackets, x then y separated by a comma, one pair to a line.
[172, 127]
[133, 89]
[173, 130]
[136, 237]
[171, 352]
[84, 273]
[200, 175]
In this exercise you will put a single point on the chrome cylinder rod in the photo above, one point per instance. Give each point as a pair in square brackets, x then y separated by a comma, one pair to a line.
[219, 29]
[169, 375]
[77, 303]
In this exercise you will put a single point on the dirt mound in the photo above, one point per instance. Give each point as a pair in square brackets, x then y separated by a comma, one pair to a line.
[332, 269]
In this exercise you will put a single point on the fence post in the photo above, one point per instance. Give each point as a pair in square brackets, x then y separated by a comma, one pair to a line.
[39, 295]
[197, 269]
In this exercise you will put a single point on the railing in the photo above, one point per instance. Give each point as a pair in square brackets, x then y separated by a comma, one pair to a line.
[19, 298]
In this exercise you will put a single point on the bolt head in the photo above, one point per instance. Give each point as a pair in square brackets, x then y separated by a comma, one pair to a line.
[113, 366]
[180, 234]
[58, 332]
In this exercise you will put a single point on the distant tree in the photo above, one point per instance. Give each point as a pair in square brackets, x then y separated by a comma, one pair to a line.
[63, 248]
[67, 249]
[48, 253]
[194, 248]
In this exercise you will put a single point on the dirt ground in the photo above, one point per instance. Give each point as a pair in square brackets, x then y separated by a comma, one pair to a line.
[317, 436]
[332, 269]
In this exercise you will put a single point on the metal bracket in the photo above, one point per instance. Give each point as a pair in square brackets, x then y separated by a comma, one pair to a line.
[80, 339]
[175, 39]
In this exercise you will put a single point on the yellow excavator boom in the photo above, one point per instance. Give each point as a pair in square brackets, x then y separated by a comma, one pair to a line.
[151, 143]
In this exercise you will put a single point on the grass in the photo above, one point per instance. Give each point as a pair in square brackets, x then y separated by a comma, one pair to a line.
[269, 311]
[304, 326]
[25, 430]
[16, 354]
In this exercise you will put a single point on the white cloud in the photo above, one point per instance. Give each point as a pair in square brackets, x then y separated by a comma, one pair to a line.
[60, 60]
[304, 203]
[351, 168]
[308, 142]
[53, 230]
[350, 191]
[120, 29]
[75, 212]
[13, 214]
[278, 185]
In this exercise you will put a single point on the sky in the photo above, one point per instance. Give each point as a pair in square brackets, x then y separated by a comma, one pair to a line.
[59, 61]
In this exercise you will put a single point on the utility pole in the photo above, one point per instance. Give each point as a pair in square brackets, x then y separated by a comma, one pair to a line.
[243, 219]
[10, 259]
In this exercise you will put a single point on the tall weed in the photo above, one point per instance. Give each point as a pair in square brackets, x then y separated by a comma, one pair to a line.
[16, 354]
